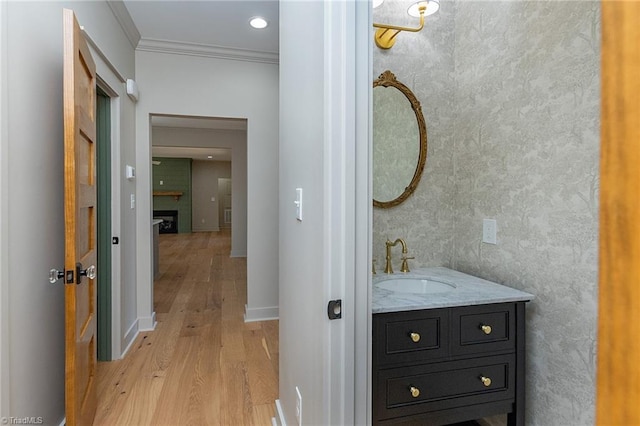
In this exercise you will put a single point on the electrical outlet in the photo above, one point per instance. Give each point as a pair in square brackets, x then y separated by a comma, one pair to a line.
[161, 182]
[298, 407]
[489, 228]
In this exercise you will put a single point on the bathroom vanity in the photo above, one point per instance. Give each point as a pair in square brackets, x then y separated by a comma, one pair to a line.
[447, 347]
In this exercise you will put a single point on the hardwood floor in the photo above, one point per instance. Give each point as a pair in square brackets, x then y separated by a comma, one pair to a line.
[202, 365]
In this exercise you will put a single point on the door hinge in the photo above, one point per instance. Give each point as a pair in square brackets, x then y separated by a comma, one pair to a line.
[334, 309]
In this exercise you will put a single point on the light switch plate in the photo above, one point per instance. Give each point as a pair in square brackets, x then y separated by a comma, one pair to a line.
[489, 231]
[298, 203]
[130, 172]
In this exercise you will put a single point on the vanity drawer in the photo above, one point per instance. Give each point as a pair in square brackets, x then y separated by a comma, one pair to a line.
[411, 336]
[483, 328]
[432, 387]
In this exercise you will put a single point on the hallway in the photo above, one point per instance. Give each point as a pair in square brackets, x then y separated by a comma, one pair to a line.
[202, 365]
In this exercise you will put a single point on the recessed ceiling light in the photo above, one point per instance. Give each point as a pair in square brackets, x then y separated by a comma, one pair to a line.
[258, 22]
[209, 156]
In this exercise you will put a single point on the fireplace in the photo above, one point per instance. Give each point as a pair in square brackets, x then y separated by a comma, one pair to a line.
[169, 224]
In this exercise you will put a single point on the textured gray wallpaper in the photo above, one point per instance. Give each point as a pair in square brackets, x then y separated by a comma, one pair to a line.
[425, 63]
[511, 95]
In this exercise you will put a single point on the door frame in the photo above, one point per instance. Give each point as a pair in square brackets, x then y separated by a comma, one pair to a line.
[106, 80]
[104, 217]
[348, 60]
[363, 212]
[4, 210]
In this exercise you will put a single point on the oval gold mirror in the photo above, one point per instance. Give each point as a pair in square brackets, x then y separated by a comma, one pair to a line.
[399, 141]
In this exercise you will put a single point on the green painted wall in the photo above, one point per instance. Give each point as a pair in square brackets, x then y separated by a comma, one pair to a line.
[175, 173]
[103, 169]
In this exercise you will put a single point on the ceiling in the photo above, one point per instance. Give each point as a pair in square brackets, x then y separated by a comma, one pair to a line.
[217, 26]
[214, 23]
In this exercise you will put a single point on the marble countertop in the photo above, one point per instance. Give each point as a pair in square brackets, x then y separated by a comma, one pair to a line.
[469, 290]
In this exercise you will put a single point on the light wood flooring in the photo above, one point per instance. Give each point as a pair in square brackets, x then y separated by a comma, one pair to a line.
[202, 365]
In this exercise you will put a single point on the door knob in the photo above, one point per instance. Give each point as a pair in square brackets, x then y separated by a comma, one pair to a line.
[90, 272]
[55, 275]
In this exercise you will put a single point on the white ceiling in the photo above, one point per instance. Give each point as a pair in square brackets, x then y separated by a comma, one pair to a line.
[215, 23]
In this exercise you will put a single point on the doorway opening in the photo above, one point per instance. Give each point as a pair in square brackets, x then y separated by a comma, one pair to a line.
[225, 216]
[104, 233]
[199, 169]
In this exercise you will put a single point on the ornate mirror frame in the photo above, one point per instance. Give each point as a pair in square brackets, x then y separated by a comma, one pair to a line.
[387, 79]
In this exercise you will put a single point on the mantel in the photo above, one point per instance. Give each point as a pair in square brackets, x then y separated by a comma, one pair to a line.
[175, 194]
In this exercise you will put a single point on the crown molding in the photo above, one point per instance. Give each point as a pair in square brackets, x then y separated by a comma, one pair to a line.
[206, 50]
[123, 17]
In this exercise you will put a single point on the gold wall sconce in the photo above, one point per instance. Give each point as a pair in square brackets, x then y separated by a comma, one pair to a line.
[385, 36]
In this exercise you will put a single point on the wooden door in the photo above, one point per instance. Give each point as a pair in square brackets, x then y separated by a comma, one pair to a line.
[618, 397]
[80, 225]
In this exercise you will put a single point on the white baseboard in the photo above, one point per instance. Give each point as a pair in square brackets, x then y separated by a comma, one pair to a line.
[260, 314]
[238, 253]
[147, 323]
[141, 324]
[63, 422]
[279, 419]
[130, 337]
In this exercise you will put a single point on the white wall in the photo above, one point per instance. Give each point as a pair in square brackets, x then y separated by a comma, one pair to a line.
[236, 140]
[210, 87]
[204, 181]
[324, 150]
[302, 293]
[33, 241]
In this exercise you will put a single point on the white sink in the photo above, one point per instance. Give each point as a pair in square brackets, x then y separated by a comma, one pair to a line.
[414, 285]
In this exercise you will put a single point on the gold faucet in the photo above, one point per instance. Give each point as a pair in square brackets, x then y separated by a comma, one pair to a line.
[405, 266]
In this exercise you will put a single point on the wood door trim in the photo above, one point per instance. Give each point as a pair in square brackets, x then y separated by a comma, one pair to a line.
[618, 373]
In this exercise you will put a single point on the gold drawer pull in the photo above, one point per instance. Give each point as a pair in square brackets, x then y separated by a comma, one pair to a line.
[415, 337]
[485, 381]
[415, 392]
[486, 329]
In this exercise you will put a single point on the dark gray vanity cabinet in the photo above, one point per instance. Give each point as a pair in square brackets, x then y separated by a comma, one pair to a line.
[448, 365]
